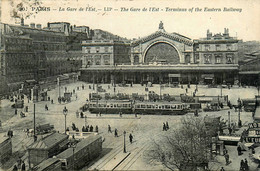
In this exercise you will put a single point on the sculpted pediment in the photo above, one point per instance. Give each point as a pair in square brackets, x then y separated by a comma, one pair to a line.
[173, 36]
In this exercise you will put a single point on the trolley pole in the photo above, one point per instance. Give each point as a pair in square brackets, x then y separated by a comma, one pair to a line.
[228, 118]
[34, 123]
[124, 142]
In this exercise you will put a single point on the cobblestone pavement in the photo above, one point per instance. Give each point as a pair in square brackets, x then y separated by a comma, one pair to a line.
[145, 128]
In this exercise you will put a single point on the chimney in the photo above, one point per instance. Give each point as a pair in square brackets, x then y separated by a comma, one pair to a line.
[38, 26]
[22, 22]
[32, 25]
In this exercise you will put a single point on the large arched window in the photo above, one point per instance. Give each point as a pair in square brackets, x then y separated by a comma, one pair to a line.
[162, 53]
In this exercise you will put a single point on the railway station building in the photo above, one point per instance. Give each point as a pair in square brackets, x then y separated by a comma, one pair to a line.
[162, 57]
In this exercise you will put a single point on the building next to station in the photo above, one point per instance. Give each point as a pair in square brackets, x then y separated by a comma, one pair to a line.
[162, 57]
[35, 54]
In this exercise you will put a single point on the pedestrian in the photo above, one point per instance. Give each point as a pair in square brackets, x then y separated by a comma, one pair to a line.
[83, 129]
[164, 127]
[109, 129]
[253, 149]
[242, 165]
[46, 107]
[86, 129]
[96, 128]
[239, 150]
[81, 114]
[116, 135]
[91, 128]
[120, 114]
[229, 130]
[246, 165]
[15, 168]
[83, 87]
[77, 113]
[23, 166]
[131, 138]
[186, 90]
[15, 111]
[100, 114]
[167, 126]
[10, 133]
[19, 163]
[51, 101]
[222, 169]
[227, 158]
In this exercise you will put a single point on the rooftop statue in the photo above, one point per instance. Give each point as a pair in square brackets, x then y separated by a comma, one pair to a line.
[161, 25]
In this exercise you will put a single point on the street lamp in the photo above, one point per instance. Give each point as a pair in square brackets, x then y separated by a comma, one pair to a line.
[124, 142]
[73, 145]
[65, 112]
[85, 121]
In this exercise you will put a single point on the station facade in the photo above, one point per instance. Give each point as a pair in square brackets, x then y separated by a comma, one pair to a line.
[163, 57]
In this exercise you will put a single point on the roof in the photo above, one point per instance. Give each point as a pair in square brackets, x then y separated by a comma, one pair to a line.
[49, 141]
[46, 163]
[83, 143]
[3, 137]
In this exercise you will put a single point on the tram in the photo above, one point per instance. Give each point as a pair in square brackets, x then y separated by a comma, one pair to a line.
[110, 107]
[159, 108]
[129, 107]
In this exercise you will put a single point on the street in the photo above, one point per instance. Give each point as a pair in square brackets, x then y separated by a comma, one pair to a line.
[144, 128]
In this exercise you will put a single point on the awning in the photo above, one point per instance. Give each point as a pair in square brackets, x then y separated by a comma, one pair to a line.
[249, 72]
[206, 99]
[175, 75]
[30, 81]
[208, 78]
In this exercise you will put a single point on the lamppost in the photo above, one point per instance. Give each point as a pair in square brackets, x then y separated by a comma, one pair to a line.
[73, 145]
[124, 142]
[85, 121]
[65, 112]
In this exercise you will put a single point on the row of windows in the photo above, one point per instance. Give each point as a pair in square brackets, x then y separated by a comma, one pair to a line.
[18, 47]
[218, 59]
[97, 50]
[17, 41]
[49, 47]
[48, 38]
[217, 47]
[19, 55]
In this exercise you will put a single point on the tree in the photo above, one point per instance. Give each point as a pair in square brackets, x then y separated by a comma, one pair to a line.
[185, 148]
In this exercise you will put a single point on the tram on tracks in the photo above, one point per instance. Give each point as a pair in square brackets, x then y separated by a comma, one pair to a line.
[130, 107]
[74, 158]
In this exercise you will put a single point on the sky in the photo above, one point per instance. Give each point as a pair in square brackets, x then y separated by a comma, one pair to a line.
[142, 17]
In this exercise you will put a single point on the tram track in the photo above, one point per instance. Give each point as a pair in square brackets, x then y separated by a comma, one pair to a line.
[135, 155]
[108, 157]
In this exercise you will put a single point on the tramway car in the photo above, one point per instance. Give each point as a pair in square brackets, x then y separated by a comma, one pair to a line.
[159, 108]
[74, 158]
[110, 107]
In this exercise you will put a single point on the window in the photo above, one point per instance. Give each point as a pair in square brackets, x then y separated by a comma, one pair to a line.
[217, 47]
[87, 50]
[228, 47]
[97, 49]
[229, 58]
[106, 49]
[218, 58]
[207, 47]
[197, 58]
[207, 58]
